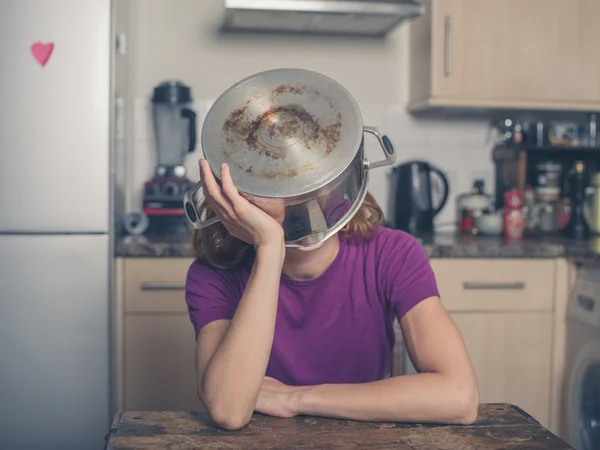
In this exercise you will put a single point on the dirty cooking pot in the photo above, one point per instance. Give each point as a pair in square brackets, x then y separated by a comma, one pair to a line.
[294, 139]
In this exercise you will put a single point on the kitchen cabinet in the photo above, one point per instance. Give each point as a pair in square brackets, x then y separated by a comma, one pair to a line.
[509, 54]
[506, 312]
[512, 355]
[155, 338]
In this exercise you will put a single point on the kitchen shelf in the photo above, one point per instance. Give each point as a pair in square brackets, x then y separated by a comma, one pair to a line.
[514, 153]
[560, 149]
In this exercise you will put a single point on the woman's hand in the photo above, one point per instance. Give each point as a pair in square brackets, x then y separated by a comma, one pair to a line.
[240, 217]
[278, 399]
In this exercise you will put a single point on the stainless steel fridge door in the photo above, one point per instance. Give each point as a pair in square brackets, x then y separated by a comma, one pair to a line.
[54, 119]
[54, 341]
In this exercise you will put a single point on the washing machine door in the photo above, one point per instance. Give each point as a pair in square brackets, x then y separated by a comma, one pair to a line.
[584, 408]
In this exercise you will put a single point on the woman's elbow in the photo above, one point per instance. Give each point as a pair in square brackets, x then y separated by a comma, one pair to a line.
[467, 404]
[229, 420]
[229, 417]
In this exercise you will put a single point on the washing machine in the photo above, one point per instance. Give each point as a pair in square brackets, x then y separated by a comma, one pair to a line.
[582, 421]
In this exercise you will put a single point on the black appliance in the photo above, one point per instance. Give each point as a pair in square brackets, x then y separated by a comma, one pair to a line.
[174, 123]
[414, 185]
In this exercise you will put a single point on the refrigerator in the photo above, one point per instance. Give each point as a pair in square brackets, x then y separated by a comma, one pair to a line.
[55, 223]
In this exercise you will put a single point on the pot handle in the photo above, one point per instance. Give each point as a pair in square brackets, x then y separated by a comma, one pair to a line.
[191, 212]
[387, 147]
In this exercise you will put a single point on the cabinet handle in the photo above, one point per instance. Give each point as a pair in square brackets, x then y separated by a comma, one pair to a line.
[517, 285]
[163, 286]
[447, 45]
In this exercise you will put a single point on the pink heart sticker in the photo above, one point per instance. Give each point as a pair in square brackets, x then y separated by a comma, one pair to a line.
[41, 52]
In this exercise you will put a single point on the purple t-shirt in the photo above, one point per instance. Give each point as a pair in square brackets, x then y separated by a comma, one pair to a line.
[338, 327]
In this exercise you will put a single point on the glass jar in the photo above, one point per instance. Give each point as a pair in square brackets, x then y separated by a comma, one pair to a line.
[548, 217]
[548, 177]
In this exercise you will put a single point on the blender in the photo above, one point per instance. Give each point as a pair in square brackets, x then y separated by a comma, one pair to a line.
[175, 136]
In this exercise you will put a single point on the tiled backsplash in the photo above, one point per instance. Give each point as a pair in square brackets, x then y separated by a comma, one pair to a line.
[183, 43]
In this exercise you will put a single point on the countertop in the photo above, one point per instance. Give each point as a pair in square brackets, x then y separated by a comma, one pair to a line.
[498, 426]
[443, 245]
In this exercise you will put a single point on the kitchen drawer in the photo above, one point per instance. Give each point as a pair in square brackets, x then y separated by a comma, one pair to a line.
[155, 284]
[495, 284]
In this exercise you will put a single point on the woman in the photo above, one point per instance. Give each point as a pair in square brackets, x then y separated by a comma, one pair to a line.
[290, 331]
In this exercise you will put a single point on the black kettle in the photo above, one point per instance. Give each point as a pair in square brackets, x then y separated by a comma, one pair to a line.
[412, 184]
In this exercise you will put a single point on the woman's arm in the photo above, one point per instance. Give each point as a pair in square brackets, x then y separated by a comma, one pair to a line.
[444, 391]
[232, 356]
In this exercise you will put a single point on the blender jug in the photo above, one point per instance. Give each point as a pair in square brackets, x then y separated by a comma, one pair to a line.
[174, 127]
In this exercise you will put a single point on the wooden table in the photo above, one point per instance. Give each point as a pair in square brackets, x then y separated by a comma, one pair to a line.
[499, 426]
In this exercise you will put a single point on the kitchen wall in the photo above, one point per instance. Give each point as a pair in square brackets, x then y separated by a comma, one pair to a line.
[180, 40]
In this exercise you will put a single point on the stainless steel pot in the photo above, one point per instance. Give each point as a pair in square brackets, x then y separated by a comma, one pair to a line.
[295, 139]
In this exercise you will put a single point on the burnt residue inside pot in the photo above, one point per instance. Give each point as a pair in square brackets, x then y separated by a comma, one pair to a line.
[275, 130]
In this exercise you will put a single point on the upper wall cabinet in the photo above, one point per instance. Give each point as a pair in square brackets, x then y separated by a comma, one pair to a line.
[506, 54]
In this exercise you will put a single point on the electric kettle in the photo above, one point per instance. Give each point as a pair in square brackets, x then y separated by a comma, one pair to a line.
[414, 185]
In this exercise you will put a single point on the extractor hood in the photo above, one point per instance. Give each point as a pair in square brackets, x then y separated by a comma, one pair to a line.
[348, 17]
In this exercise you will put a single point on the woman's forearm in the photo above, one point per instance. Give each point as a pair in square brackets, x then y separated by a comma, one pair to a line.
[233, 377]
[424, 397]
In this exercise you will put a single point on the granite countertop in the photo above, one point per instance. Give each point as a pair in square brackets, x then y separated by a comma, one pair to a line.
[443, 245]
[456, 246]
[154, 247]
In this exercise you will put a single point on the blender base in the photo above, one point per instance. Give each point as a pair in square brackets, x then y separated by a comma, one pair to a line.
[163, 204]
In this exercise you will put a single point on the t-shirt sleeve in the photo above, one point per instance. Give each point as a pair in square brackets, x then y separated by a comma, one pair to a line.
[407, 274]
[209, 296]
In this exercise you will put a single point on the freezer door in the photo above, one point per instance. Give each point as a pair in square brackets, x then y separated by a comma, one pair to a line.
[54, 119]
[54, 342]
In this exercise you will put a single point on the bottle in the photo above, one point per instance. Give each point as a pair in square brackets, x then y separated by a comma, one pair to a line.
[529, 209]
[578, 228]
[595, 213]
[593, 131]
[514, 223]
[564, 213]
[518, 134]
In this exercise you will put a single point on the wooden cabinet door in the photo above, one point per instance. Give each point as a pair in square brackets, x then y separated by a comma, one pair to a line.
[159, 367]
[512, 355]
[515, 53]
[501, 285]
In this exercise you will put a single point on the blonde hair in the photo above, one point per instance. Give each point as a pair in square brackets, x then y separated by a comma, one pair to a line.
[216, 247]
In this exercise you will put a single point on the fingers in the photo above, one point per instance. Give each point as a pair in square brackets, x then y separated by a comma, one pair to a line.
[230, 190]
[213, 192]
[208, 179]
